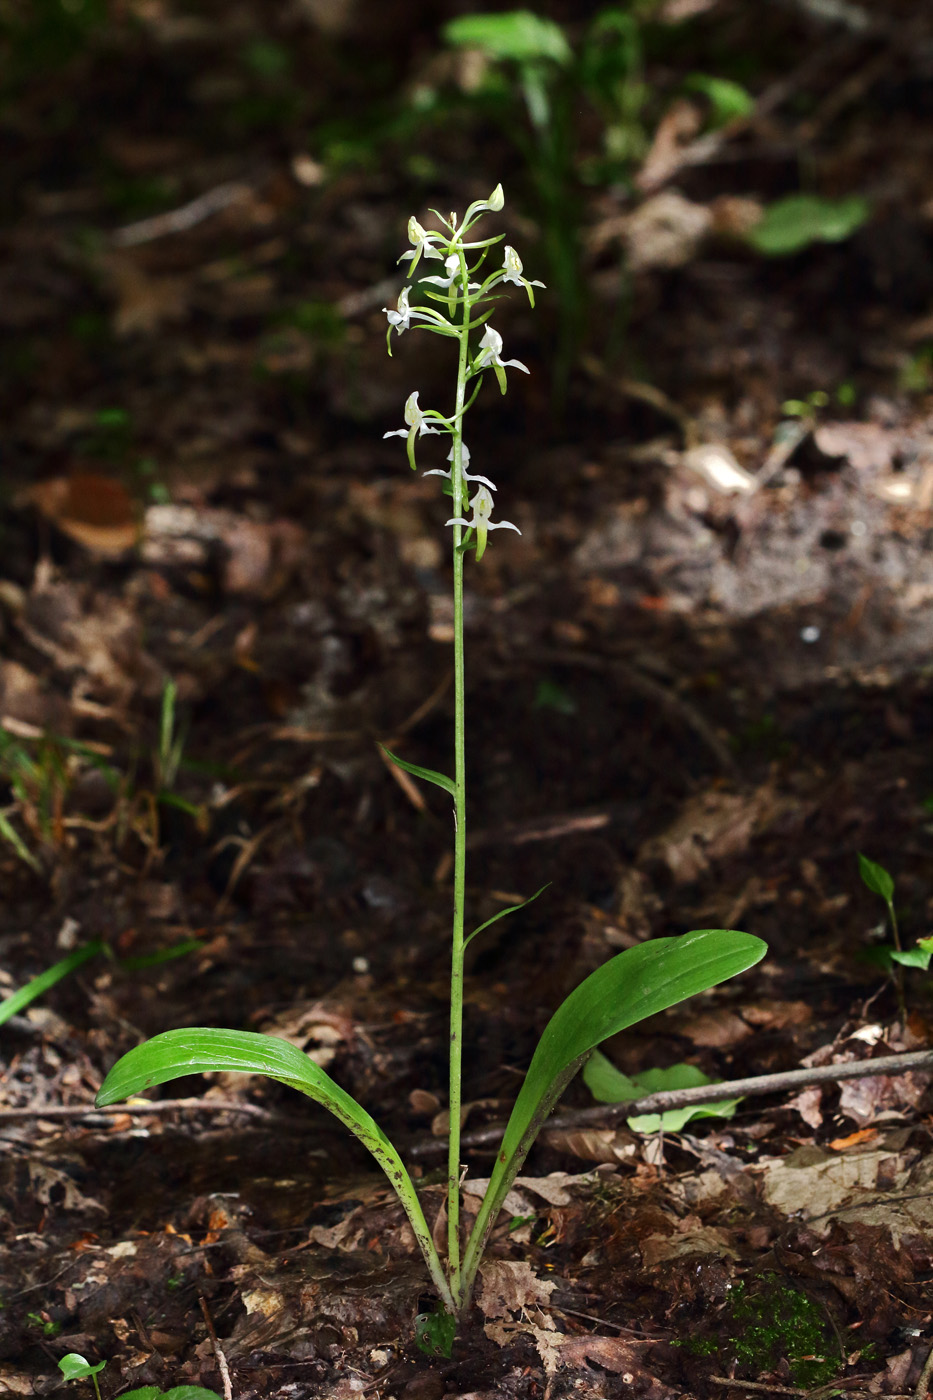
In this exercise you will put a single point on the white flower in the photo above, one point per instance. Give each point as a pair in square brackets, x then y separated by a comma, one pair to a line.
[424, 243]
[401, 317]
[512, 272]
[452, 266]
[482, 504]
[418, 425]
[491, 355]
[464, 463]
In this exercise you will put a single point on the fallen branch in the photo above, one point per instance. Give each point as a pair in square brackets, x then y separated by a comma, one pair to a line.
[140, 1110]
[605, 1114]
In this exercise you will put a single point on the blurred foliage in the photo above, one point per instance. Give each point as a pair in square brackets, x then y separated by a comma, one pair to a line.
[792, 224]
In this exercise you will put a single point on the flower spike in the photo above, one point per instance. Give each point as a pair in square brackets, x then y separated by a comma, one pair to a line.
[482, 504]
[418, 425]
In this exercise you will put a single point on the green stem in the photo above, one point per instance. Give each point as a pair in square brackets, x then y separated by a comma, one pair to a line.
[456, 964]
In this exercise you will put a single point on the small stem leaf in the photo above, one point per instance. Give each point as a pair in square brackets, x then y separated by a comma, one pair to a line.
[502, 913]
[174, 1054]
[34, 989]
[876, 878]
[417, 771]
[633, 985]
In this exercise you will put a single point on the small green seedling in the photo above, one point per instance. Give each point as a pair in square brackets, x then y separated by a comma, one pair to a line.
[74, 1368]
[880, 882]
[457, 304]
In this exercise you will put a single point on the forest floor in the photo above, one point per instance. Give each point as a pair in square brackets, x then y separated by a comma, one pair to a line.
[699, 684]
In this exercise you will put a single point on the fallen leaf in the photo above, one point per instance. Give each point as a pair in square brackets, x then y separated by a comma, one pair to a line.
[666, 231]
[94, 510]
[697, 1239]
[853, 1140]
[813, 1183]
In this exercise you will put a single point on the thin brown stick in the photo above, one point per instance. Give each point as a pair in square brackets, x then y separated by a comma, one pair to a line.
[605, 1114]
[222, 1366]
[140, 1110]
[923, 1384]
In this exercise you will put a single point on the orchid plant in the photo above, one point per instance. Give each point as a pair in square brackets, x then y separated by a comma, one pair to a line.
[636, 983]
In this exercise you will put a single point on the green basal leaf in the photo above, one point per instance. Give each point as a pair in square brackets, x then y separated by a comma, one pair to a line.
[516, 34]
[435, 1333]
[609, 1085]
[143, 1392]
[876, 878]
[794, 223]
[74, 1367]
[201, 1050]
[513, 908]
[635, 984]
[912, 957]
[415, 769]
[15, 1003]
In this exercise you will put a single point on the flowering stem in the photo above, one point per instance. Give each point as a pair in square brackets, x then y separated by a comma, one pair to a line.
[456, 966]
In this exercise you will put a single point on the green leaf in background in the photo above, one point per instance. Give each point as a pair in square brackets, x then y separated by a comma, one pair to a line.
[550, 695]
[516, 34]
[74, 1367]
[415, 769]
[184, 1392]
[912, 957]
[15, 1003]
[726, 98]
[178, 1392]
[876, 878]
[610, 1085]
[633, 985]
[792, 224]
